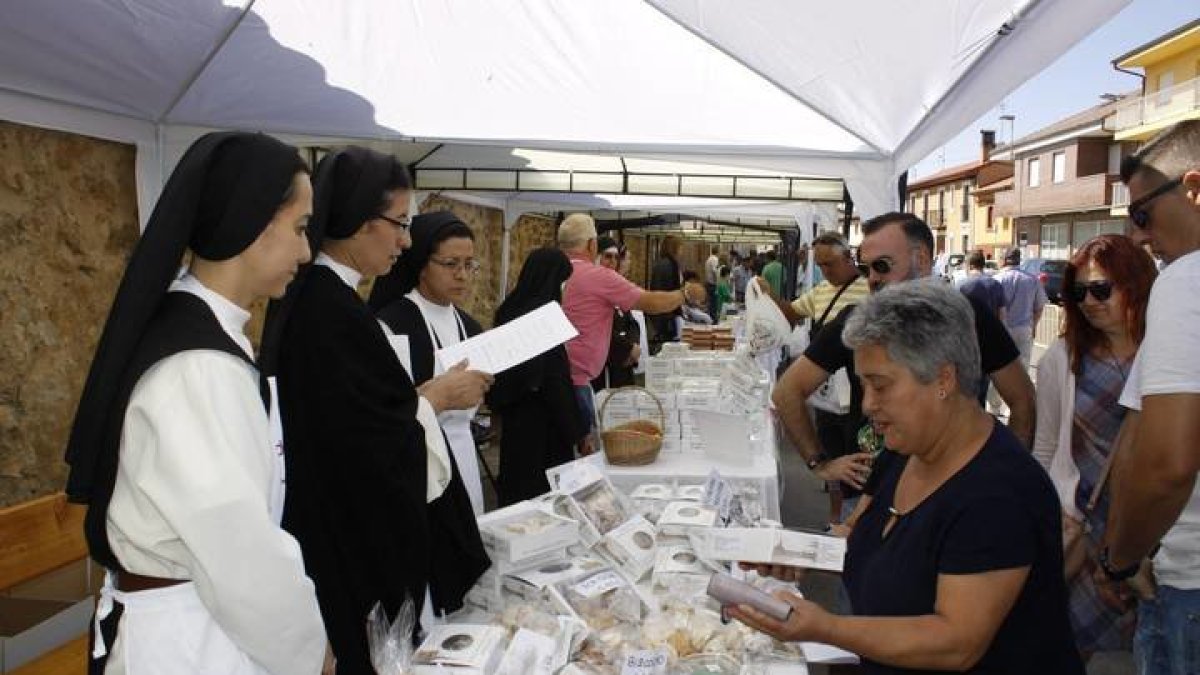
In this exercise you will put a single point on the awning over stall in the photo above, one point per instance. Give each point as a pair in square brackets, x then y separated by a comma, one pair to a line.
[849, 91]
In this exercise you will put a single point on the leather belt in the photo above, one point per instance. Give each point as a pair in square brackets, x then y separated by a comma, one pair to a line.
[128, 582]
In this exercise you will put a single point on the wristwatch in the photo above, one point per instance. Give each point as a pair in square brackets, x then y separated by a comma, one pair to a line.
[1113, 574]
[816, 461]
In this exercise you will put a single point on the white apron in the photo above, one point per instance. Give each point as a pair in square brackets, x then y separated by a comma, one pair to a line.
[457, 423]
[169, 631]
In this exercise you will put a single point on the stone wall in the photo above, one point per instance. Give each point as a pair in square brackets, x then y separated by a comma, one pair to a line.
[636, 249]
[487, 224]
[68, 219]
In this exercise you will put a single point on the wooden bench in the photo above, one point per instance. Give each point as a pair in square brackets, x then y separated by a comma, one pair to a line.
[39, 538]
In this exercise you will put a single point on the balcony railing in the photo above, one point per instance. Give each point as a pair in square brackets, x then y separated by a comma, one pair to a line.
[1158, 105]
[1120, 195]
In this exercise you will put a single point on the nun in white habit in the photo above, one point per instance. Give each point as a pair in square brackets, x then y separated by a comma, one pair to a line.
[170, 447]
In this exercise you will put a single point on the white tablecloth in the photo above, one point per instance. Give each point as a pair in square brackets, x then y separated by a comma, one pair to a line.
[690, 469]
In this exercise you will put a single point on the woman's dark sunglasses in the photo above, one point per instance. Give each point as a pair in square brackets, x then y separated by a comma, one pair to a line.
[1137, 208]
[880, 266]
[1101, 291]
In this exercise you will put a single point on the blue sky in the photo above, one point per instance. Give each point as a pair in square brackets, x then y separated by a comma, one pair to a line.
[1072, 83]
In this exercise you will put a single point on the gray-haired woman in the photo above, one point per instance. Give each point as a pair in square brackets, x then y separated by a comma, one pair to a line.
[957, 562]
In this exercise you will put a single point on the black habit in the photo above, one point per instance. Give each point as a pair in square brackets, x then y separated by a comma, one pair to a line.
[355, 452]
[535, 400]
[356, 470]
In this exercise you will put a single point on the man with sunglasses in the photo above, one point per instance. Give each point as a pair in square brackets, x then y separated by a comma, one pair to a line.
[1155, 496]
[896, 247]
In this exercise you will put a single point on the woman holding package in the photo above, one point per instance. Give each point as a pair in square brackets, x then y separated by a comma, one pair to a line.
[956, 564]
[1080, 379]
[418, 302]
[171, 448]
[535, 400]
[374, 497]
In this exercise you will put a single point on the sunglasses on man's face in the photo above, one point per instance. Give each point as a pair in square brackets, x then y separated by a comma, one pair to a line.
[880, 266]
[1100, 290]
[1138, 212]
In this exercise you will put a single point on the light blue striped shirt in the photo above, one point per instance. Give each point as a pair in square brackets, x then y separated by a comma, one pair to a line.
[1024, 294]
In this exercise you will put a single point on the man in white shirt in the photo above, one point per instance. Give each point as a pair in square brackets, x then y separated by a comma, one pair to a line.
[711, 276]
[1155, 502]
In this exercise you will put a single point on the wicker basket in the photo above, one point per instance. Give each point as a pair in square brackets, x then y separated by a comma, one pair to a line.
[634, 443]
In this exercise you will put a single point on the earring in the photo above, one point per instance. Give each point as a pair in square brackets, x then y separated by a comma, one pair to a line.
[941, 394]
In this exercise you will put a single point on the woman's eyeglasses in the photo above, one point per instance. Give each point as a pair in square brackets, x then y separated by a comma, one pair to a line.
[880, 266]
[1137, 208]
[401, 223]
[454, 265]
[1100, 290]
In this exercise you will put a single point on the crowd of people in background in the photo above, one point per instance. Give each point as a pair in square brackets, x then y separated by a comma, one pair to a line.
[1065, 523]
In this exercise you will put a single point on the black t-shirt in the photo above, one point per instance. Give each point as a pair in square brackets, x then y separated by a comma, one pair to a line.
[1000, 511]
[996, 350]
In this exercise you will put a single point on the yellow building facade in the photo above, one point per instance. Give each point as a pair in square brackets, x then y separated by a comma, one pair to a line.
[1170, 65]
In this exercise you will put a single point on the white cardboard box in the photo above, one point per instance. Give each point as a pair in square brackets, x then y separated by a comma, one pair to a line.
[682, 516]
[461, 649]
[530, 583]
[770, 546]
[523, 531]
[632, 545]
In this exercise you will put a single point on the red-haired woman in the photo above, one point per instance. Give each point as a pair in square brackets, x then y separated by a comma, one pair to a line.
[1105, 290]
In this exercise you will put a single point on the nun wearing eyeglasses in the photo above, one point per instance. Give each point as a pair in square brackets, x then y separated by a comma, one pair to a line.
[171, 448]
[373, 493]
[419, 303]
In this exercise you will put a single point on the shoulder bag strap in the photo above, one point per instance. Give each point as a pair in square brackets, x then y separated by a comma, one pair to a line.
[829, 307]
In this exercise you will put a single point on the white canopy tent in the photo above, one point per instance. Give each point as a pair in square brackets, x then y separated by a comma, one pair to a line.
[856, 91]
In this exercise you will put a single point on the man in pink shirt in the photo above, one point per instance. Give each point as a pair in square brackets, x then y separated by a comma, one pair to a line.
[588, 301]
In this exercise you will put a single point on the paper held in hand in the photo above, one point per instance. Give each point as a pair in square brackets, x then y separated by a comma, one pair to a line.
[514, 343]
[770, 546]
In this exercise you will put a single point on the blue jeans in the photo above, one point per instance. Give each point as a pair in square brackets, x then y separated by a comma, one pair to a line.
[1167, 641]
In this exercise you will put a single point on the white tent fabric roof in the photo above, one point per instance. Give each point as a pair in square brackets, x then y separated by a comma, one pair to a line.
[779, 214]
[844, 90]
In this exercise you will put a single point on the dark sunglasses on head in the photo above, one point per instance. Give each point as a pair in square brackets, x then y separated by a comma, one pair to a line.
[1101, 291]
[1137, 208]
[881, 266]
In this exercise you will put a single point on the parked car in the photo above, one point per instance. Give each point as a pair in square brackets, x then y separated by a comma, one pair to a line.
[947, 264]
[1050, 273]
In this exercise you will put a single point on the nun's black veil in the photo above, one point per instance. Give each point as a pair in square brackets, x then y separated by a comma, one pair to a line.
[540, 281]
[220, 197]
[406, 273]
[347, 189]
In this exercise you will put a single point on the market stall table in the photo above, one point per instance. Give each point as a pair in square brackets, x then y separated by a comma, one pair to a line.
[692, 469]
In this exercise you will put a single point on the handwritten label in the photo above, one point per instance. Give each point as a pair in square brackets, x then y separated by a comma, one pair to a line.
[598, 584]
[718, 495]
[645, 662]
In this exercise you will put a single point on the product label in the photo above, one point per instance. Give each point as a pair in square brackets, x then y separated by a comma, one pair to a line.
[718, 495]
[645, 662]
[598, 584]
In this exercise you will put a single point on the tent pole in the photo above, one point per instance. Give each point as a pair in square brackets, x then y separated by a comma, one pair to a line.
[849, 210]
[510, 219]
